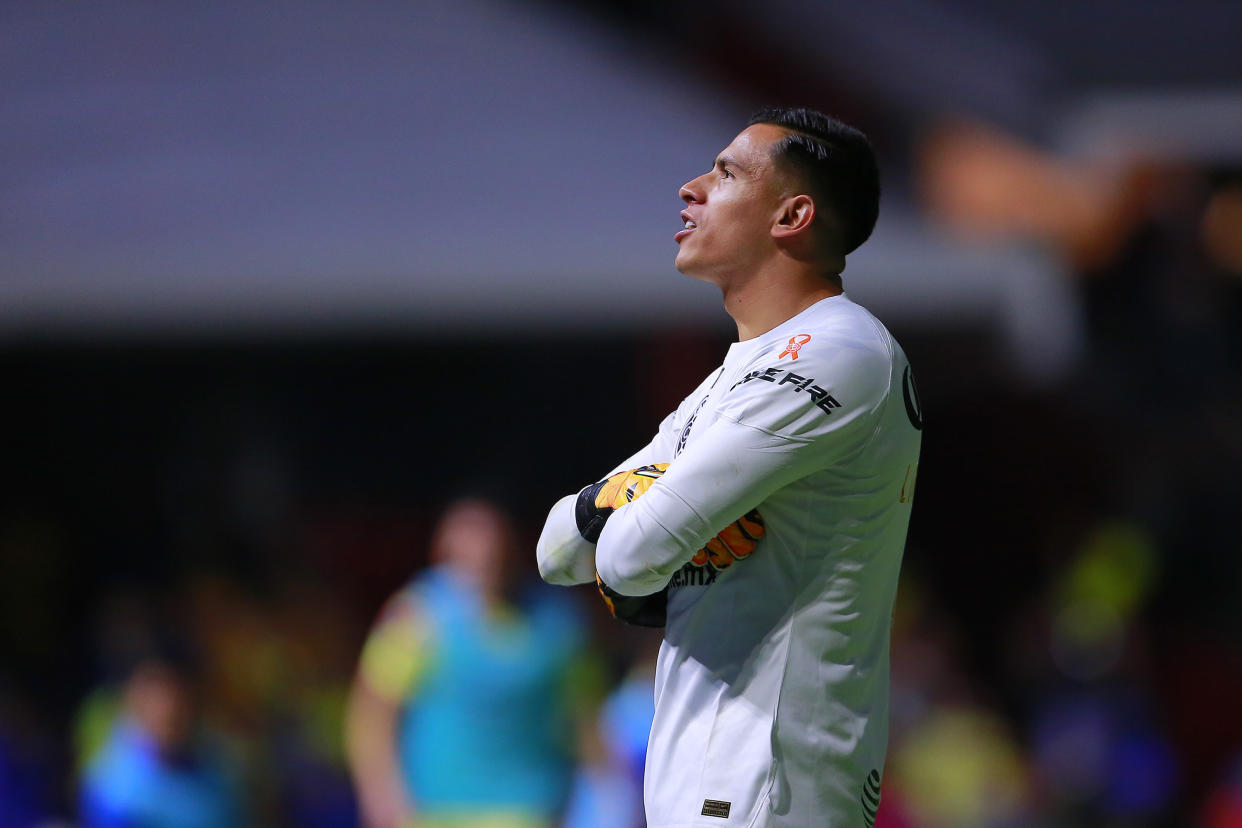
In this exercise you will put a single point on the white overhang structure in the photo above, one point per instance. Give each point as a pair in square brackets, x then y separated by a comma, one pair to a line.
[179, 170]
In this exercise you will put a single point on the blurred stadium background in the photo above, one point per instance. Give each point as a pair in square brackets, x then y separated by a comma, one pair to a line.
[278, 280]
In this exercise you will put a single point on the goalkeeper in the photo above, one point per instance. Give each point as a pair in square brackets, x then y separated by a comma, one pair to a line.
[764, 523]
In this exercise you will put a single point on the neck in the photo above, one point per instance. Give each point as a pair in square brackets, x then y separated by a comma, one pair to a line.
[770, 297]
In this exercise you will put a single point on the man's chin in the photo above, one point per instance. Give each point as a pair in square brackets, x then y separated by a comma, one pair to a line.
[685, 264]
[700, 276]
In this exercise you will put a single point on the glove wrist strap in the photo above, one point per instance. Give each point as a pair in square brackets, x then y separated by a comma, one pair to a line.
[589, 517]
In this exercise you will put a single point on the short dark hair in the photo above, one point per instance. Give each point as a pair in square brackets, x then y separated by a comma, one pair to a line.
[837, 164]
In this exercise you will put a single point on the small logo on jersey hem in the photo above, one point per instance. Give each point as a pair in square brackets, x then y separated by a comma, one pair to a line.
[795, 344]
[716, 808]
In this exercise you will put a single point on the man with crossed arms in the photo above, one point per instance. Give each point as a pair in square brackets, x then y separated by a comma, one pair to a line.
[772, 681]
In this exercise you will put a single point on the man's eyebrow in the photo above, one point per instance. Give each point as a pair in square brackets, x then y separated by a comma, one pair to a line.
[726, 160]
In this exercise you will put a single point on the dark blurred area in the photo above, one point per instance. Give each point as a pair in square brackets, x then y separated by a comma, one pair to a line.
[252, 351]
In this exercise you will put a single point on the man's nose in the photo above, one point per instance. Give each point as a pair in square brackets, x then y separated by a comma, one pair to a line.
[688, 193]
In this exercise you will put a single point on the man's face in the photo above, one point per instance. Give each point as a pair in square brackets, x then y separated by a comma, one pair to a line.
[160, 701]
[730, 209]
[473, 538]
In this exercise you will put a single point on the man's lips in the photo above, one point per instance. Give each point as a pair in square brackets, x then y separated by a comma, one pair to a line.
[690, 227]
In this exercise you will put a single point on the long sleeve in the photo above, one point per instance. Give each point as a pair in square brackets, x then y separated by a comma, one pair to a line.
[773, 428]
[730, 470]
[565, 558]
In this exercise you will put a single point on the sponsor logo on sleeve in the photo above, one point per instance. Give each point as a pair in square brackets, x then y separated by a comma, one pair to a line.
[685, 432]
[795, 344]
[824, 401]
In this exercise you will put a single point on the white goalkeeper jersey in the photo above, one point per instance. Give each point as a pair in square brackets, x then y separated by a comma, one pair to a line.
[773, 680]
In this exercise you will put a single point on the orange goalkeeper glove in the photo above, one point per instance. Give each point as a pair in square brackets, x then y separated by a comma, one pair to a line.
[734, 543]
[598, 501]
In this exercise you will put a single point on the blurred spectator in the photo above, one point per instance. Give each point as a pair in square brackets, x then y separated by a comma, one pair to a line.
[157, 769]
[1224, 803]
[308, 709]
[1100, 760]
[608, 788]
[961, 768]
[953, 762]
[460, 714]
[27, 770]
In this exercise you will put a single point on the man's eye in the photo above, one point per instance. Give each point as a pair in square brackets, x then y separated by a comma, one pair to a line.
[725, 173]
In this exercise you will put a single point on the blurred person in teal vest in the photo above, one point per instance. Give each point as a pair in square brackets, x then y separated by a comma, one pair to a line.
[157, 768]
[461, 712]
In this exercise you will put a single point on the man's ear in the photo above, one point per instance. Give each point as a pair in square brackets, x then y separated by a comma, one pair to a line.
[794, 217]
